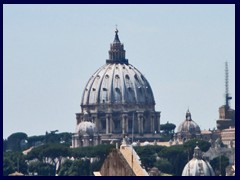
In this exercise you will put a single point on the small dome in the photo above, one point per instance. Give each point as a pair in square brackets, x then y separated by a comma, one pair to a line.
[134, 144]
[197, 166]
[146, 143]
[188, 125]
[86, 128]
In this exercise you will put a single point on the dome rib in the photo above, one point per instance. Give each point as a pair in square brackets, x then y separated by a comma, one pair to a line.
[111, 87]
[145, 85]
[85, 100]
[92, 91]
[100, 89]
[125, 87]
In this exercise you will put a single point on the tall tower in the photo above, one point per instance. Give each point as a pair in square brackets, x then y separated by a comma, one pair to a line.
[226, 114]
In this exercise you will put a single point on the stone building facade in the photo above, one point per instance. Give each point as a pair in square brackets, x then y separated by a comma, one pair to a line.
[123, 161]
[228, 137]
[226, 117]
[115, 165]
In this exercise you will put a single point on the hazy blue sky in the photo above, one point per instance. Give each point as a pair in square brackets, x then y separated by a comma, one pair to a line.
[50, 52]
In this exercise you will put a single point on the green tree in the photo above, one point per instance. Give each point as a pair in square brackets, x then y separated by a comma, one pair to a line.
[35, 140]
[191, 144]
[52, 138]
[168, 128]
[66, 138]
[8, 166]
[100, 152]
[49, 153]
[219, 165]
[177, 156]
[42, 169]
[58, 151]
[77, 167]
[14, 141]
[14, 161]
[164, 166]
[4, 145]
[147, 155]
[64, 171]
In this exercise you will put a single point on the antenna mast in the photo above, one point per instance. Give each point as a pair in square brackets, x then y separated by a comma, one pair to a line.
[227, 97]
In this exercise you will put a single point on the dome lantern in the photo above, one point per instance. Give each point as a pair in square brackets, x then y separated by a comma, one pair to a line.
[197, 153]
[188, 115]
[117, 52]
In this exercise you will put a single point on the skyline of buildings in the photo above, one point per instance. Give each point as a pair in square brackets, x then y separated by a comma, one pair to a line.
[181, 64]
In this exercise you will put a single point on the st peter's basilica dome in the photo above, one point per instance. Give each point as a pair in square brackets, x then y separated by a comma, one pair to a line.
[118, 100]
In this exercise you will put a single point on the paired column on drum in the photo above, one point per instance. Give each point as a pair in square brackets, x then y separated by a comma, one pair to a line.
[158, 115]
[152, 123]
[108, 123]
[95, 120]
[124, 123]
[140, 122]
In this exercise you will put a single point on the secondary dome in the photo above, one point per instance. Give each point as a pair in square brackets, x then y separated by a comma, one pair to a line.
[189, 126]
[117, 82]
[197, 166]
[86, 128]
[187, 130]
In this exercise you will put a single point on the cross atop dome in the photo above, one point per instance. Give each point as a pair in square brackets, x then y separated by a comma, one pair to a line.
[188, 115]
[116, 39]
[197, 152]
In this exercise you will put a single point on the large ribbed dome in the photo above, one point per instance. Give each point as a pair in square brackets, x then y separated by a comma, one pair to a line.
[117, 83]
[117, 100]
